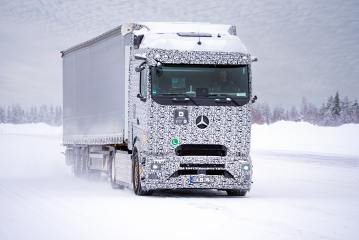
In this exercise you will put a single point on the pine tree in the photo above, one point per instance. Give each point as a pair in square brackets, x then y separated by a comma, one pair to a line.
[2, 115]
[346, 111]
[58, 116]
[303, 109]
[327, 112]
[278, 114]
[43, 114]
[355, 112]
[294, 115]
[336, 108]
[18, 114]
[257, 116]
[267, 114]
[9, 118]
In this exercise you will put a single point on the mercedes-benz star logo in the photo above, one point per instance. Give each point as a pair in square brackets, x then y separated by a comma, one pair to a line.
[202, 122]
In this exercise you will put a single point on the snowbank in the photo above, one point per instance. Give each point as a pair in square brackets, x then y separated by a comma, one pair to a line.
[303, 137]
[297, 137]
[39, 129]
[31, 151]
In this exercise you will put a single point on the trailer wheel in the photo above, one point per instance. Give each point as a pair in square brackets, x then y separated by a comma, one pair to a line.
[112, 174]
[78, 165]
[236, 192]
[136, 181]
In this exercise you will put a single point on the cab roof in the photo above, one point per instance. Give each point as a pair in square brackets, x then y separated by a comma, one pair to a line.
[182, 36]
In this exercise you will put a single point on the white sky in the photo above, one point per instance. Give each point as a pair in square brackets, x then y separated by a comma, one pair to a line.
[305, 48]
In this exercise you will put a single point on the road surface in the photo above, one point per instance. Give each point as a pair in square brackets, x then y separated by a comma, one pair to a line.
[294, 196]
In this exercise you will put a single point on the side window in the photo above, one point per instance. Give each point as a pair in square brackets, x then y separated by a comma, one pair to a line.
[143, 84]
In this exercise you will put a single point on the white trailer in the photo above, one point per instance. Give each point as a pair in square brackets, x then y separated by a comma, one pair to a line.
[161, 106]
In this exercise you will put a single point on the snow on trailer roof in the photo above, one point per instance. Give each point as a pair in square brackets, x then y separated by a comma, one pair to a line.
[186, 36]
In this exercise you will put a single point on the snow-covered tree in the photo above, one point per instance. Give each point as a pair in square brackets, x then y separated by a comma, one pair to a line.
[257, 115]
[278, 114]
[16, 114]
[58, 116]
[346, 111]
[355, 112]
[267, 114]
[2, 115]
[294, 115]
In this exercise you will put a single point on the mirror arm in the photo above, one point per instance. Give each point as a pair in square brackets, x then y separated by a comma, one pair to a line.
[254, 99]
[254, 59]
[140, 67]
[142, 98]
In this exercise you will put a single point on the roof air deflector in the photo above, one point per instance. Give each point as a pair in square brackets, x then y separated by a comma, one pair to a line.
[193, 34]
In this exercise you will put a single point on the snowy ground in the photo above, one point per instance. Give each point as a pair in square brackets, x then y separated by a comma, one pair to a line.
[305, 187]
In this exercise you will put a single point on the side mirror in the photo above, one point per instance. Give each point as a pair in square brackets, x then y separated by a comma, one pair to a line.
[254, 59]
[254, 99]
[137, 41]
[140, 57]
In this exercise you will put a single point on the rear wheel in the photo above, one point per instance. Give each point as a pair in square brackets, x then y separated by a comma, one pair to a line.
[136, 176]
[79, 165]
[236, 192]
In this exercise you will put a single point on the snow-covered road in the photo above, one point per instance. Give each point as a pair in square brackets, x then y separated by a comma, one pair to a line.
[294, 196]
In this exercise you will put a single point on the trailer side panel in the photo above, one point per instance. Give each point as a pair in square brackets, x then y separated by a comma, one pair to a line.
[94, 93]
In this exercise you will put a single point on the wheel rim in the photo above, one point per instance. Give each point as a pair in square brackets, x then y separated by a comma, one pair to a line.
[136, 181]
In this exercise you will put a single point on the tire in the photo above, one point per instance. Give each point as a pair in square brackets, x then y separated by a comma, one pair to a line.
[112, 174]
[236, 192]
[79, 165]
[136, 181]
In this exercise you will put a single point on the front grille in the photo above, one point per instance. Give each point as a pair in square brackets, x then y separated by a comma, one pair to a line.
[201, 165]
[201, 150]
[210, 172]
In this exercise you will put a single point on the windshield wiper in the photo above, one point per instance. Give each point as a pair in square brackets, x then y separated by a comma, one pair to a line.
[219, 95]
[171, 94]
[227, 100]
[185, 99]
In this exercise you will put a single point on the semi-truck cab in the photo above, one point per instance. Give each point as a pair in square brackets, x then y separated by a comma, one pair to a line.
[161, 106]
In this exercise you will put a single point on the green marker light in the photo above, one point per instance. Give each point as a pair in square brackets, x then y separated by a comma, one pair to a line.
[174, 141]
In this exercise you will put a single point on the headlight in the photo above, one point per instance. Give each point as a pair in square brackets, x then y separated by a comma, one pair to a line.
[246, 167]
[156, 166]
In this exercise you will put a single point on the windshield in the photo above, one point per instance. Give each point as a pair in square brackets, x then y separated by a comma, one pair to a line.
[201, 80]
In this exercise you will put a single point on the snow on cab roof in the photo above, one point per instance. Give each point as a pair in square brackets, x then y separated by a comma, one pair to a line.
[189, 36]
[175, 27]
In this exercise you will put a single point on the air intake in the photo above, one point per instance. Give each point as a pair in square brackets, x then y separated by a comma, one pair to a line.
[201, 150]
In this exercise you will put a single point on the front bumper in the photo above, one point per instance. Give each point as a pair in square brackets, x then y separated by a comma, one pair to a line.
[196, 172]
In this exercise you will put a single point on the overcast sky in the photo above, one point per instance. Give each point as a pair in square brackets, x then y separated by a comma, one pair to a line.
[305, 47]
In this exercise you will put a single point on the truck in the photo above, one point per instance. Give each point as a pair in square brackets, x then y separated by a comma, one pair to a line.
[160, 106]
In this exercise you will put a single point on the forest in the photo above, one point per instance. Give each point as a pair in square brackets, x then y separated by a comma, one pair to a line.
[335, 112]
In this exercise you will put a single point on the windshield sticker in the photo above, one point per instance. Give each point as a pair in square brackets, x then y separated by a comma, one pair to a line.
[178, 82]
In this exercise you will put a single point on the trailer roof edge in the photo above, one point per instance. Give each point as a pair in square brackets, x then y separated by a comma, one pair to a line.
[114, 32]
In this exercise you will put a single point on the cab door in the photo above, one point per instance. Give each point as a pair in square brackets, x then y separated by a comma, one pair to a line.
[139, 106]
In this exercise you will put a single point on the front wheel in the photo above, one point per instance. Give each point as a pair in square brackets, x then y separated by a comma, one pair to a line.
[136, 176]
